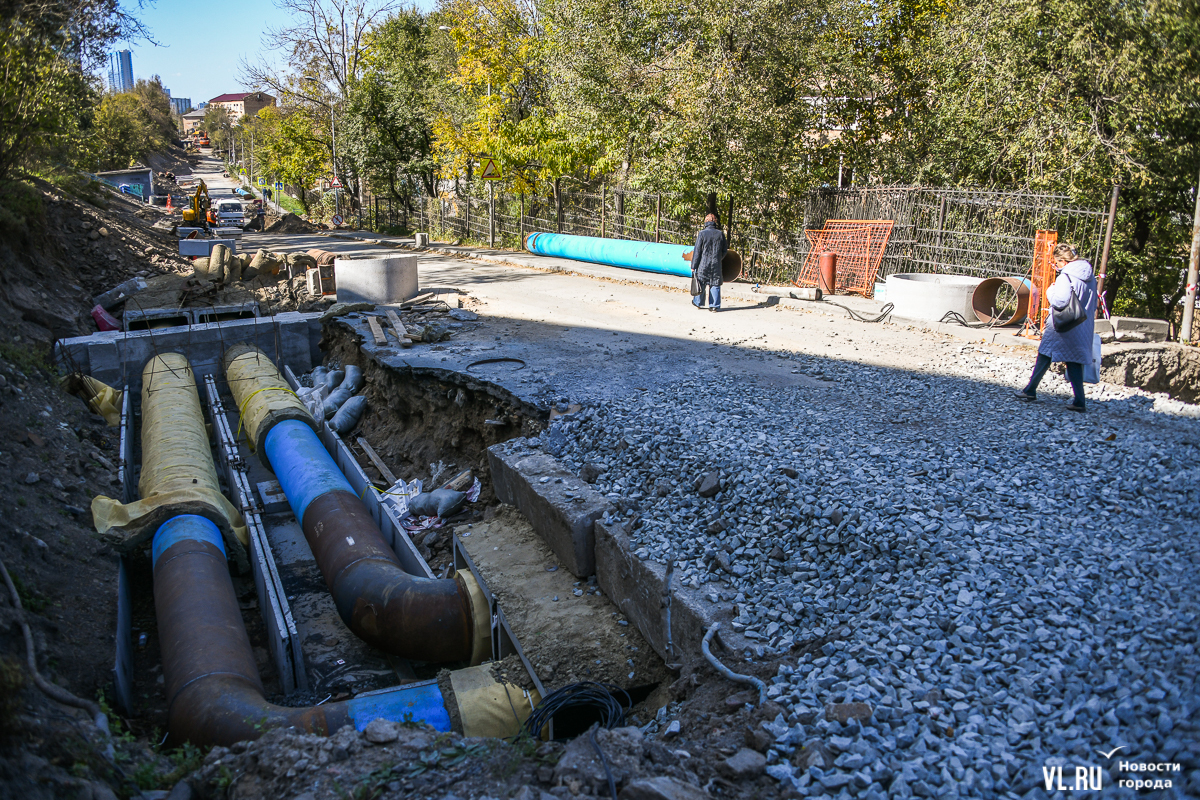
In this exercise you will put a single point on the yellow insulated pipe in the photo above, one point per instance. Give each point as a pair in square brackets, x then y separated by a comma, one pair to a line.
[178, 476]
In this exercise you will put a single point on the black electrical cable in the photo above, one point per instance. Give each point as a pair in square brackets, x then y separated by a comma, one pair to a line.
[883, 312]
[599, 699]
[955, 317]
[612, 784]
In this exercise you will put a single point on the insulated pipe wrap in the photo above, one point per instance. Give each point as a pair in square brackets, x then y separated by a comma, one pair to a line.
[405, 615]
[178, 476]
[262, 395]
[302, 465]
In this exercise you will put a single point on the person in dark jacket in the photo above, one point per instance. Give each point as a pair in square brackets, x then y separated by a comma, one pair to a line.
[707, 258]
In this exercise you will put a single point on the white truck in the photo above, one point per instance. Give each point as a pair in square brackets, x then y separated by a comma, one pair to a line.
[231, 213]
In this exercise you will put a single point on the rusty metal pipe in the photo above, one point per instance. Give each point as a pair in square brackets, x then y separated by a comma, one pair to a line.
[214, 695]
[393, 611]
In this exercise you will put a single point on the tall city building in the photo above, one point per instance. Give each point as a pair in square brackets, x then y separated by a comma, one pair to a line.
[182, 105]
[120, 71]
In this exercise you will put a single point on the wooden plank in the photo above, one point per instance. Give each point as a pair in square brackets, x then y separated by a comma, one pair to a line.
[460, 482]
[421, 298]
[398, 328]
[376, 330]
[387, 474]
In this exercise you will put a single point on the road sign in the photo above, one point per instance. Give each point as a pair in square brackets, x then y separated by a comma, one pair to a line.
[279, 186]
[335, 184]
[262, 181]
[337, 219]
[489, 170]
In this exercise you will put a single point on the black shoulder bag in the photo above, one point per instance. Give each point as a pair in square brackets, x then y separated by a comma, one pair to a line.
[1071, 315]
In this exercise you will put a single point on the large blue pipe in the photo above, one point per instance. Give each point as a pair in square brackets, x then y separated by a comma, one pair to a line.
[214, 695]
[302, 465]
[665, 259]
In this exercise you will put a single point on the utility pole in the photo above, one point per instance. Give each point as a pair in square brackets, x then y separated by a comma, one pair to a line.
[1189, 295]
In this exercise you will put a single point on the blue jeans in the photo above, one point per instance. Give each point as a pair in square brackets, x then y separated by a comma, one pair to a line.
[1074, 377]
[714, 297]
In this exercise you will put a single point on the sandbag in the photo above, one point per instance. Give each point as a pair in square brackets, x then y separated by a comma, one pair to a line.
[299, 263]
[233, 272]
[219, 267]
[200, 269]
[318, 374]
[348, 415]
[438, 503]
[344, 391]
[264, 263]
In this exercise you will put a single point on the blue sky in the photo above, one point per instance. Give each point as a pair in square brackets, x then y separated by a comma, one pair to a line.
[201, 43]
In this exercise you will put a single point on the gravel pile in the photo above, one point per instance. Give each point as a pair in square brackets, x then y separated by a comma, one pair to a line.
[1009, 587]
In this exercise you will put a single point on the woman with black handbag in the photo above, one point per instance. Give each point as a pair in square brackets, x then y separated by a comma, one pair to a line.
[1070, 327]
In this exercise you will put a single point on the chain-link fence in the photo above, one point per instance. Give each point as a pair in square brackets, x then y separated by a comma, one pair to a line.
[953, 231]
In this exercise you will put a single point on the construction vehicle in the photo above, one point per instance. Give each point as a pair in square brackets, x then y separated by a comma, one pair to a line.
[197, 213]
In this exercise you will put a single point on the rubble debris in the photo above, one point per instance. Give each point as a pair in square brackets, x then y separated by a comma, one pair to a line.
[290, 223]
[341, 309]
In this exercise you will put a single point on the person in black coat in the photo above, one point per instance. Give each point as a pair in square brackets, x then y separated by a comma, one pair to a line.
[707, 258]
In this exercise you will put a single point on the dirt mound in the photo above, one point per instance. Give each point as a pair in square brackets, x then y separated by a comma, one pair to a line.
[290, 223]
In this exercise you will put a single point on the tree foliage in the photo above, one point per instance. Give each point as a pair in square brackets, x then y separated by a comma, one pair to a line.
[766, 99]
[46, 92]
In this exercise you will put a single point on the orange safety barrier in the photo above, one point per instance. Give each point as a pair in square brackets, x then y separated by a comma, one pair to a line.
[1041, 277]
[859, 245]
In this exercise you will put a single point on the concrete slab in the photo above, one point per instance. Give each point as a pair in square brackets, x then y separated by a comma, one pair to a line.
[117, 357]
[639, 587]
[561, 507]
[1133, 329]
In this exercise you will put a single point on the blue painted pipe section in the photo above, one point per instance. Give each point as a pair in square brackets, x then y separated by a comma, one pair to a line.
[417, 702]
[302, 465]
[182, 528]
[666, 259]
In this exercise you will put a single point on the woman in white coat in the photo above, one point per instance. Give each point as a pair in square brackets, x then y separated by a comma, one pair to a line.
[1073, 347]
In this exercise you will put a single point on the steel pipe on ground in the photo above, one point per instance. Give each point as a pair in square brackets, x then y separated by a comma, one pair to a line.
[406, 615]
[983, 301]
[214, 694]
[665, 259]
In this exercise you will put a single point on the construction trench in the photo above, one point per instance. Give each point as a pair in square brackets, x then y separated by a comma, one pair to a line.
[268, 570]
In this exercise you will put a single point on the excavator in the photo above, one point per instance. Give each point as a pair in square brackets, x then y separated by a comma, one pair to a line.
[197, 214]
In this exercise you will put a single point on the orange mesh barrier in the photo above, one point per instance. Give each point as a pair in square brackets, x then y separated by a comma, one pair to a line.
[1041, 276]
[859, 244]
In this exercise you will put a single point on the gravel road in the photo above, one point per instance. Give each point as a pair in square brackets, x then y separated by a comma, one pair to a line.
[1013, 586]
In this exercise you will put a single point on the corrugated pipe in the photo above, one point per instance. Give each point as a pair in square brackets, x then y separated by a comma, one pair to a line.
[666, 259]
[406, 615]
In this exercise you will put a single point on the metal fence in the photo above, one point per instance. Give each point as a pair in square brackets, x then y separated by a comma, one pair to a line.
[953, 231]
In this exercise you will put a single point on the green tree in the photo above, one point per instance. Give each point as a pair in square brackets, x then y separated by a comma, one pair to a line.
[387, 130]
[1070, 96]
[217, 124]
[46, 94]
[287, 149]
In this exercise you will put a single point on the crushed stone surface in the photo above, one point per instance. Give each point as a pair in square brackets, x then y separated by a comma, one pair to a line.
[1014, 584]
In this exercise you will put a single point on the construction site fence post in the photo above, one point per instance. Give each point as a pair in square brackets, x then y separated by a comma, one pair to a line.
[1193, 275]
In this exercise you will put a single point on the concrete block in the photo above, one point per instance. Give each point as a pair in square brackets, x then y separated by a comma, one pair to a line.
[1104, 329]
[637, 588]
[391, 279]
[561, 508]
[1133, 329]
[928, 297]
[203, 247]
